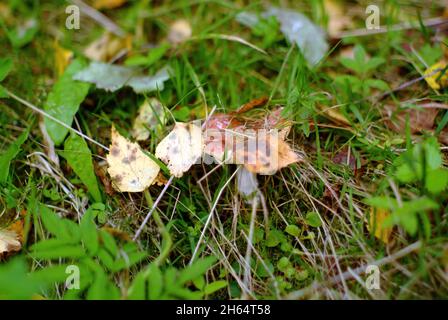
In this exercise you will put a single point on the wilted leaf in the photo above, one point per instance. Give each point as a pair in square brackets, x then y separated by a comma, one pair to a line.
[131, 170]
[180, 31]
[376, 224]
[181, 148]
[107, 47]
[111, 77]
[62, 58]
[79, 157]
[63, 102]
[437, 79]
[255, 143]
[10, 153]
[298, 29]
[338, 19]
[150, 115]
[108, 4]
[420, 119]
[11, 238]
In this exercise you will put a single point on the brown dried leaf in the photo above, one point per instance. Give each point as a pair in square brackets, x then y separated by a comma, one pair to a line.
[419, 119]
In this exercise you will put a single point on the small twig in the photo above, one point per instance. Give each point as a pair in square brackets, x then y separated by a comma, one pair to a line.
[140, 229]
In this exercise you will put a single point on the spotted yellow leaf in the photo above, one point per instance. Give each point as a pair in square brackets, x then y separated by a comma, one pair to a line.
[130, 169]
[376, 224]
[436, 77]
[181, 148]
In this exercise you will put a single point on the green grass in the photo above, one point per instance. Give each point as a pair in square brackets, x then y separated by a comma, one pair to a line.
[305, 261]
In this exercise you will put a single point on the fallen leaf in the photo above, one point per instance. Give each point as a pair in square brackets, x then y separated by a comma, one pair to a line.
[255, 143]
[108, 4]
[297, 29]
[252, 104]
[181, 148]
[62, 58]
[436, 79]
[9, 241]
[11, 238]
[336, 116]
[420, 119]
[112, 77]
[107, 47]
[376, 224]
[338, 20]
[180, 31]
[151, 114]
[130, 169]
[346, 158]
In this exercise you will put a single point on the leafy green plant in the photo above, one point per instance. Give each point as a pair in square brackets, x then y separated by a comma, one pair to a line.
[421, 165]
[95, 252]
[171, 283]
[361, 83]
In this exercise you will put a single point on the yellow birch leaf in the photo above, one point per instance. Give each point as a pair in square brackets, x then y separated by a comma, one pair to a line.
[435, 79]
[376, 224]
[181, 148]
[62, 58]
[108, 4]
[130, 169]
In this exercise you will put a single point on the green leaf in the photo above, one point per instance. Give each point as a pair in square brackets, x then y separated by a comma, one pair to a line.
[274, 238]
[313, 219]
[55, 225]
[154, 55]
[155, 282]
[3, 92]
[437, 180]
[9, 155]
[197, 269]
[293, 230]
[79, 157]
[63, 102]
[66, 251]
[89, 232]
[5, 67]
[50, 274]
[215, 286]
